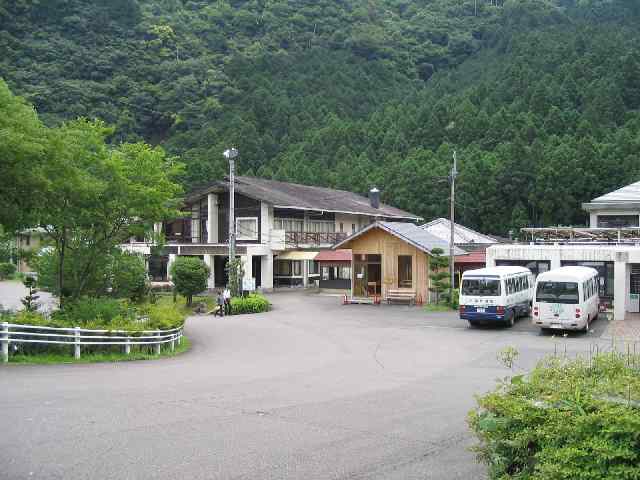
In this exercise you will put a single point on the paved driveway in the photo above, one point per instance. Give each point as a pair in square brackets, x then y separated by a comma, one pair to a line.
[12, 292]
[311, 390]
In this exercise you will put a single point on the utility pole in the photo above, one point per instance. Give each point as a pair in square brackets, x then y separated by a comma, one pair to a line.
[231, 154]
[452, 179]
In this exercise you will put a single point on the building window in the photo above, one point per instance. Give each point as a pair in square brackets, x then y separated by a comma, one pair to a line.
[341, 227]
[297, 268]
[247, 228]
[322, 226]
[353, 228]
[288, 224]
[325, 273]
[404, 271]
[617, 221]
[345, 273]
[283, 268]
[314, 267]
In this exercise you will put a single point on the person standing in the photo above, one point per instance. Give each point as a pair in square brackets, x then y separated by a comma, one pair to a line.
[220, 303]
[227, 301]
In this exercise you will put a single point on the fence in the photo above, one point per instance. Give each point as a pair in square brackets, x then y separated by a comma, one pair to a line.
[77, 337]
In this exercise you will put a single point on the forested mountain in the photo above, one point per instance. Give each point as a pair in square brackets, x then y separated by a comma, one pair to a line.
[539, 97]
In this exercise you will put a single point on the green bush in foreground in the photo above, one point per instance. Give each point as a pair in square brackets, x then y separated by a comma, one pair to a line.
[567, 419]
[7, 270]
[253, 303]
[189, 275]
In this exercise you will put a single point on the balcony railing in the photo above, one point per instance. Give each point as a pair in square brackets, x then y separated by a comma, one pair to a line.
[295, 239]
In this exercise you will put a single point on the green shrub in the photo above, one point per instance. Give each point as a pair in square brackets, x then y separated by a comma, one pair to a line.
[128, 276]
[253, 303]
[566, 419]
[189, 275]
[7, 270]
[95, 311]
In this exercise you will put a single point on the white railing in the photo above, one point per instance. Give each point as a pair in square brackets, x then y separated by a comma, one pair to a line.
[76, 337]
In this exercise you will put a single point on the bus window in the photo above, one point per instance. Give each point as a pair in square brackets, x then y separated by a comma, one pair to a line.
[557, 292]
[484, 287]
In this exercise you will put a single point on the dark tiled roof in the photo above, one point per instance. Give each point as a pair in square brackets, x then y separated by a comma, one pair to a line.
[410, 233]
[293, 195]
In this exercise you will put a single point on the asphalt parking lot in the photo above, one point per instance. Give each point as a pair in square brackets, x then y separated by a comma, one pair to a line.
[311, 390]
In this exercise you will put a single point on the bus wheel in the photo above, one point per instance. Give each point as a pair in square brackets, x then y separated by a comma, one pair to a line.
[473, 324]
[512, 318]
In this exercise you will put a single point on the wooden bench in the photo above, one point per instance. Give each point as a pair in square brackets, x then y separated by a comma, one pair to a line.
[401, 295]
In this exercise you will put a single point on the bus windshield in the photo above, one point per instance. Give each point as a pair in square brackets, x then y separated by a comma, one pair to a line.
[557, 292]
[482, 287]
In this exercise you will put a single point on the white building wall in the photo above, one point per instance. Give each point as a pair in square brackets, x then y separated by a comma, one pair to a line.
[212, 218]
[266, 270]
[266, 223]
[622, 256]
[347, 221]
[593, 215]
[211, 281]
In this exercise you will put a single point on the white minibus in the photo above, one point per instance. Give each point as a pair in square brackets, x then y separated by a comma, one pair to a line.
[566, 298]
[496, 294]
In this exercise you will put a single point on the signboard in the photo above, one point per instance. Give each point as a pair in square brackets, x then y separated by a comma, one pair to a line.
[248, 284]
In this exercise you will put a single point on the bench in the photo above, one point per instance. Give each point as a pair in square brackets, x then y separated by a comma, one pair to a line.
[401, 295]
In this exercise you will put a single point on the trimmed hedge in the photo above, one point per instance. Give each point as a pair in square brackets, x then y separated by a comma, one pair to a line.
[254, 303]
[567, 419]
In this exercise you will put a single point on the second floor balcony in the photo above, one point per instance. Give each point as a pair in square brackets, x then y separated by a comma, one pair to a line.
[315, 239]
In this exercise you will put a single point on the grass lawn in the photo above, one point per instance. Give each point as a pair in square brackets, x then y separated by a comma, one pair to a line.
[438, 307]
[48, 358]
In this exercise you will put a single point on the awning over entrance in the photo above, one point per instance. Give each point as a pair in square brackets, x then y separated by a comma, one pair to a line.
[334, 256]
[297, 255]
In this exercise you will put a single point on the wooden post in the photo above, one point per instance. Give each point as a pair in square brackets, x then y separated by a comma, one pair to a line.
[127, 347]
[76, 349]
[5, 342]
[156, 347]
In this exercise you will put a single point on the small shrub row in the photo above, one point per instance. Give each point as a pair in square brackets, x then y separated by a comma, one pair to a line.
[104, 313]
[253, 303]
[575, 418]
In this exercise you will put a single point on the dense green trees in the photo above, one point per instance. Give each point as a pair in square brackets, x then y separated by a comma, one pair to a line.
[88, 196]
[539, 97]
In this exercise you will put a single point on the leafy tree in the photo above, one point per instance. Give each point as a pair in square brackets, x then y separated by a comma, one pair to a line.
[439, 276]
[30, 301]
[7, 270]
[127, 276]
[189, 275]
[22, 150]
[96, 197]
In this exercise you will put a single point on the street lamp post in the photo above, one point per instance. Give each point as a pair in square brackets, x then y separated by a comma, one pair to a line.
[231, 154]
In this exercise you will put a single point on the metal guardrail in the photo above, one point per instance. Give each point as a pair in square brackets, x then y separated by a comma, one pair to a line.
[76, 337]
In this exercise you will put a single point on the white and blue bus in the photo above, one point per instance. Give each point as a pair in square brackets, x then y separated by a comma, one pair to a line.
[497, 294]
